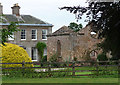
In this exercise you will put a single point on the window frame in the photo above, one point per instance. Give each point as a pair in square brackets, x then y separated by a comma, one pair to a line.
[45, 52]
[33, 54]
[32, 34]
[24, 34]
[44, 34]
[11, 38]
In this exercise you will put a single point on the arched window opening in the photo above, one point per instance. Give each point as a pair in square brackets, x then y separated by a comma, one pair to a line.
[93, 54]
[58, 48]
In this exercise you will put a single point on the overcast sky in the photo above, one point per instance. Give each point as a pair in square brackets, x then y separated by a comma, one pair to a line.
[46, 10]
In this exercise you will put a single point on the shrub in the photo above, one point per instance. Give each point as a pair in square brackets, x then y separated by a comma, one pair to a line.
[12, 53]
[40, 47]
[102, 57]
[44, 58]
[54, 59]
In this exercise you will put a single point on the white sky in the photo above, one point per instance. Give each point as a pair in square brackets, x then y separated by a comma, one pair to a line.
[46, 10]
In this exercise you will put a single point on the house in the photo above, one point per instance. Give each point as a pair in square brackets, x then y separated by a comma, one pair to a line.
[32, 31]
[68, 45]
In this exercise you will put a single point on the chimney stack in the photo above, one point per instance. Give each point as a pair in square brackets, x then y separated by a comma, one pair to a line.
[1, 9]
[16, 9]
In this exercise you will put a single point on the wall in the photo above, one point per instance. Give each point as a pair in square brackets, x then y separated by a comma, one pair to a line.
[28, 43]
[72, 45]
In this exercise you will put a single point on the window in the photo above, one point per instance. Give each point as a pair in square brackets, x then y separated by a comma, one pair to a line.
[34, 53]
[44, 34]
[45, 52]
[34, 34]
[23, 34]
[93, 54]
[11, 37]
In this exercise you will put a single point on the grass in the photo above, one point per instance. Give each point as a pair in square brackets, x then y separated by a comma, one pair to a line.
[77, 79]
[60, 80]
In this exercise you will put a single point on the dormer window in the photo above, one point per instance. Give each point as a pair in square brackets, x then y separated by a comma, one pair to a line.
[34, 34]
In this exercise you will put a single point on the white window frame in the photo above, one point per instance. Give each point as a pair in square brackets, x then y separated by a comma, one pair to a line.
[44, 34]
[35, 34]
[24, 34]
[45, 52]
[12, 36]
[33, 54]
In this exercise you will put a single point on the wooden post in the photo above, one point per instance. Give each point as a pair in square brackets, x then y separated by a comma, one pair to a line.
[97, 68]
[49, 69]
[23, 67]
[119, 68]
[73, 69]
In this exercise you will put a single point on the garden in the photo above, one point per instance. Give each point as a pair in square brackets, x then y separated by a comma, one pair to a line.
[22, 70]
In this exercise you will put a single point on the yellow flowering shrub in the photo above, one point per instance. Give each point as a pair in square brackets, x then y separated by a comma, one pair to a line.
[12, 53]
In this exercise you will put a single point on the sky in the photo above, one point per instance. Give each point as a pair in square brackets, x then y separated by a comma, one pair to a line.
[46, 10]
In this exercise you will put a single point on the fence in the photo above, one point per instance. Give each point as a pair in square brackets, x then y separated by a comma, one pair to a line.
[79, 68]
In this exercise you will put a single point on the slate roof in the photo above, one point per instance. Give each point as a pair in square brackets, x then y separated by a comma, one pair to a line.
[64, 30]
[26, 19]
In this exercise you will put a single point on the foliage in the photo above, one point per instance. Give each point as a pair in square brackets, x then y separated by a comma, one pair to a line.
[7, 32]
[102, 57]
[105, 17]
[28, 73]
[75, 27]
[44, 58]
[53, 58]
[75, 58]
[12, 53]
[87, 55]
[40, 47]
[105, 72]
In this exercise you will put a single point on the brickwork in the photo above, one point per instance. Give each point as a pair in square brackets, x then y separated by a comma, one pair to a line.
[72, 45]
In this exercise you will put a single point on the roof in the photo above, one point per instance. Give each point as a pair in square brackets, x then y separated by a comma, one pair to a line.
[64, 30]
[24, 19]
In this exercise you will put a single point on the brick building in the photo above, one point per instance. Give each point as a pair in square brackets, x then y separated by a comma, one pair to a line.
[67, 44]
[32, 31]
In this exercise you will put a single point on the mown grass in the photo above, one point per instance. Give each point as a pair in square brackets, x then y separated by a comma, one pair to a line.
[60, 80]
[59, 77]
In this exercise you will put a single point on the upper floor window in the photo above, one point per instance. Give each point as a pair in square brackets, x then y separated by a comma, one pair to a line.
[11, 37]
[34, 34]
[23, 34]
[44, 34]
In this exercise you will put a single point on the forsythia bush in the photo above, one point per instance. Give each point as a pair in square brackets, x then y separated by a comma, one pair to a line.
[12, 53]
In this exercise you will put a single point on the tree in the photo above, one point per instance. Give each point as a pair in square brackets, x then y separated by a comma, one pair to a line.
[75, 27]
[105, 17]
[40, 47]
[7, 32]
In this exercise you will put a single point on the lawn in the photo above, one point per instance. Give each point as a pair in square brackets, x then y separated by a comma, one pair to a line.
[60, 80]
[77, 79]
